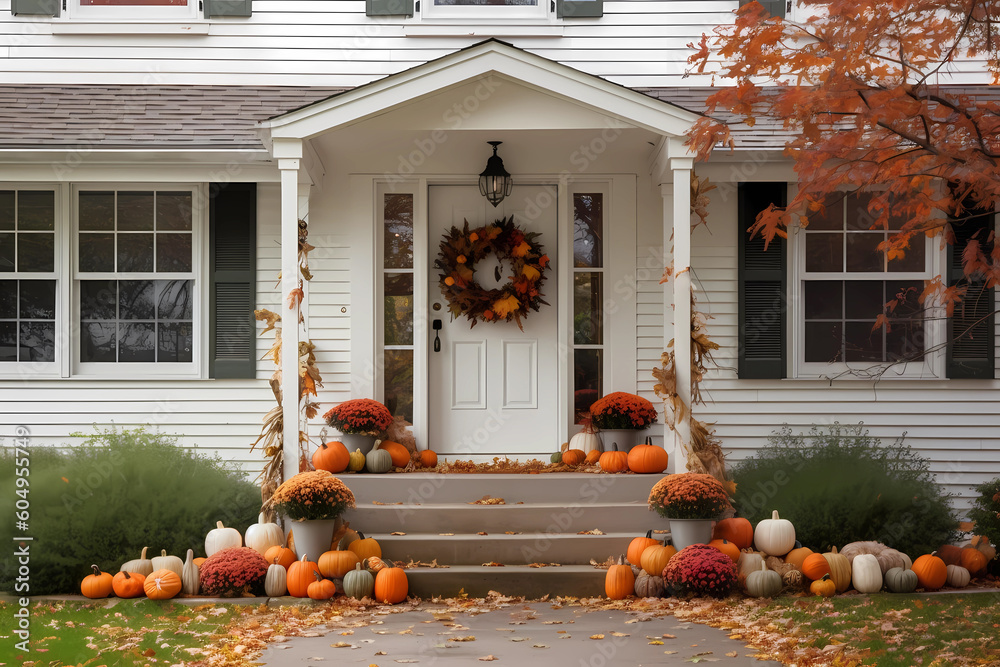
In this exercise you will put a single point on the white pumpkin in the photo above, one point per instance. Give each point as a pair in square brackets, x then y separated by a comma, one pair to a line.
[262, 536]
[958, 576]
[774, 536]
[220, 538]
[866, 574]
[276, 579]
[586, 440]
[165, 562]
[190, 575]
[140, 565]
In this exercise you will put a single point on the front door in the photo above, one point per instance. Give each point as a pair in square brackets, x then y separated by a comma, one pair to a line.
[494, 389]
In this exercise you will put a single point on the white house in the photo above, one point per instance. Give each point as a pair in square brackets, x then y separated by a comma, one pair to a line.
[155, 158]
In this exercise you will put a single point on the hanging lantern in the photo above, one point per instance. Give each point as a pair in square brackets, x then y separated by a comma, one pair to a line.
[495, 183]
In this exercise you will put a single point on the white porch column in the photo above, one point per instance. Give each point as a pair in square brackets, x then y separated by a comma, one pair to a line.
[289, 154]
[677, 224]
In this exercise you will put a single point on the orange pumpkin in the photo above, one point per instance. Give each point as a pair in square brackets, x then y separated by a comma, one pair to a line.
[128, 584]
[931, 572]
[374, 564]
[391, 585]
[654, 559]
[199, 561]
[573, 457]
[593, 456]
[726, 547]
[739, 531]
[162, 585]
[950, 554]
[283, 556]
[795, 557]
[614, 461]
[332, 456]
[428, 459]
[648, 459]
[400, 454]
[96, 585]
[321, 589]
[335, 564]
[973, 560]
[638, 545]
[301, 573]
[365, 547]
[619, 582]
[814, 566]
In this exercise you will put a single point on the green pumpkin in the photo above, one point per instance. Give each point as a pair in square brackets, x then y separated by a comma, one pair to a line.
[763, 583]
[556, 457]
[356, 462]
[358, 583]
[898, 580]
[378, 461]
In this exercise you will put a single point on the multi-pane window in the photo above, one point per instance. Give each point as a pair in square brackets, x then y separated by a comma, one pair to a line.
[27, 276]
[133, 9]
[135, 265]
[478, 9]
[847, 283]
[588, 296]
[397, 312]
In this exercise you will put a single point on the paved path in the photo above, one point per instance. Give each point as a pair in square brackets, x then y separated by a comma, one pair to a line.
[524, 635]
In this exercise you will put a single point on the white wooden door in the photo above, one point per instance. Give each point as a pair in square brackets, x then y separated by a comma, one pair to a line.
[493, 389]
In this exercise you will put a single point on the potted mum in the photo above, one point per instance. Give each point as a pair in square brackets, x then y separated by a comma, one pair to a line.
[619, 417]
[313, 501]
[359, 420]
[692, 502]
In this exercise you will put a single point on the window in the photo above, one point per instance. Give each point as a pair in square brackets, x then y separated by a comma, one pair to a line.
[133, 9]
[588, 297]
[397, 312]
[136, 285]
[479, 9]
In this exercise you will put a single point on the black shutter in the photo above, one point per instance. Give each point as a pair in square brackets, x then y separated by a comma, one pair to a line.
[970, 328]
[215, 8]
[571, 9]
[763, 302]
[233, 255]
[773, 7]
[35, 7]
[389, 7]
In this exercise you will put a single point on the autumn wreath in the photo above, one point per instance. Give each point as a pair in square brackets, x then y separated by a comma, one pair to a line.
[462, 249]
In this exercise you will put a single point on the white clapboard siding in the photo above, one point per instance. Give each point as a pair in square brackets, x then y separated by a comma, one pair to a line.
[955, 424]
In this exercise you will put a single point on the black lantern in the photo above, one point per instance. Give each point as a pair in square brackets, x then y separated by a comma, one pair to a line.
[495, 183]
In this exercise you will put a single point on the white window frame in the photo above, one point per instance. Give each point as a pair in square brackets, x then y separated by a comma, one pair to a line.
[478, 13]
[935, 326]
[44, 369]
[199, 227]
[75, 10]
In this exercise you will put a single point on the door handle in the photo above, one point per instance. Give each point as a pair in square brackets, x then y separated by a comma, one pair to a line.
[436, 325]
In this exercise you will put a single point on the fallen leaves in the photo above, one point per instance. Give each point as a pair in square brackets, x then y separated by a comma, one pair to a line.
[594, 531]
[488, 500]
[493, 563]
[488, 658]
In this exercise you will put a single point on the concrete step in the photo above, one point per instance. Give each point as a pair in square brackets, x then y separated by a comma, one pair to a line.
[435, 518]
[524, 549]
[476, 581]
[559, 488]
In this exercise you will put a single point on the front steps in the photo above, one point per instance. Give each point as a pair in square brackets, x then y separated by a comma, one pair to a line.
[539, 523]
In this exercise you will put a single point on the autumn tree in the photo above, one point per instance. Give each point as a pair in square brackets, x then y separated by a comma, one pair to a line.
[867, 86]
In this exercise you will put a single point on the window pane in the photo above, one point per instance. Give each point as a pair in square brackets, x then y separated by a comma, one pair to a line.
[863, 299]
[136, 299]
[588, 229]
[7, 244]
[398, 231]
[8, 299]
[173, 211]
[913, 258]
[175, 302]
[863, 253]
[8, 341]
[6, 209]
[98, 300]
[907, 293]
[174, 342]
[824, 252]
[823, 341]
[133, 3]
[97, 211]
[38, 300]
[587, 297]
[38, 341]
[832, 217]
[36, 210]
[905, 341]
[858, 216]
[97, 253]
[97, 341]
[173, 253]
[398, 374]
[135, 211]
[398, 317]
[861, 343]
[495, 3]
[36, 252]
[137, 342]
[824, 300]
[135, 252]
[588, 381]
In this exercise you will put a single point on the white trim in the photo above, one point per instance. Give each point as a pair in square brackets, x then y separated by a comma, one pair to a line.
[465, 29]
[128, 28]
[479, 14]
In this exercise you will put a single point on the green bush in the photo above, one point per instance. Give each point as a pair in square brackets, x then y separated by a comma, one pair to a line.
[121, 490]
[839, 485]
[985, 511]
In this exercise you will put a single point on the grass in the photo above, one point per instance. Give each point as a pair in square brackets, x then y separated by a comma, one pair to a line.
[900, 630]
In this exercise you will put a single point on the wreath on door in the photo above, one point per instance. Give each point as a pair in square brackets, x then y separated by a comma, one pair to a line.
[514, 250]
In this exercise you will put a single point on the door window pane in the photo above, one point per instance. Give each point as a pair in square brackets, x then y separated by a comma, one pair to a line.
[397, 231]
[588, 381]
[588, 229]
[587, 319]
[398, 383]
[398, 315]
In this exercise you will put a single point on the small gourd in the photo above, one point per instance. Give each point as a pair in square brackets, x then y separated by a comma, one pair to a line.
[866, 574]
[261, 536]
[957, 576]
[774, 536]
[189, 575]
[649, 586]
[359, 583]
[593, 457]
[378, 461]
[165, 562]
[573, 457]
[96, 585]
[823, 587]
[763, 583]
[556, 457]
[428, 458]
[220, 538]
[356, 463]
[898, 580]
[274, 580]
[373, 564]
[142, 565]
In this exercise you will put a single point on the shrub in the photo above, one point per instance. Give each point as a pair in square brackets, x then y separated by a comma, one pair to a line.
[839, 485]
[700, 570]
[985, 511]
[234, 572]
[102, 501]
